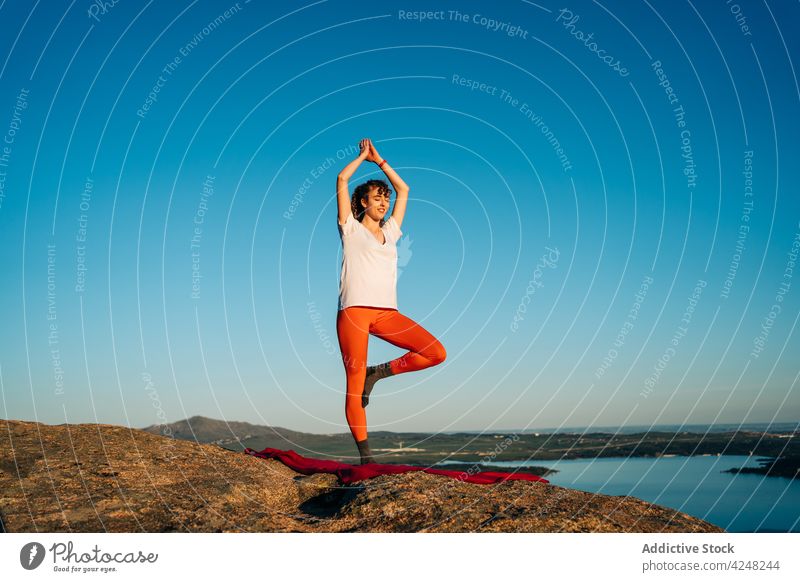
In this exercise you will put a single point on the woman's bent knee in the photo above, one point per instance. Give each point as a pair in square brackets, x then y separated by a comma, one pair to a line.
[438, 354]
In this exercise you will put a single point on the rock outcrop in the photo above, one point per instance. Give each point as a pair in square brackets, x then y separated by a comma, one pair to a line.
[97, 477]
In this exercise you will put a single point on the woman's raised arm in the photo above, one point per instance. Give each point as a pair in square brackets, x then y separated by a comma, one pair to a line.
[399, 210]
[342, 189]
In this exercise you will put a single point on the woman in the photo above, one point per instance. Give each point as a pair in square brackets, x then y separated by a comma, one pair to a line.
[367, 291]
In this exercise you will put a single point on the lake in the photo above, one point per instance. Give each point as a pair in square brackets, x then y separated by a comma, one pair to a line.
[693, 485]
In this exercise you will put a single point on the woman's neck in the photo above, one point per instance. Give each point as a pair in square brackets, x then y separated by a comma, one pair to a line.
[370, 223]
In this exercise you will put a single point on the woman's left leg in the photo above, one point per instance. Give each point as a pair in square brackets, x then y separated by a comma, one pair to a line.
[352, 328]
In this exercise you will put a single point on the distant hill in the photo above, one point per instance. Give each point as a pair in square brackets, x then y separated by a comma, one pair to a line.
[209, 430]
[239, 435]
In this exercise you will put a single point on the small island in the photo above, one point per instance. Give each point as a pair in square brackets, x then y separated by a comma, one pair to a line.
[783, 466]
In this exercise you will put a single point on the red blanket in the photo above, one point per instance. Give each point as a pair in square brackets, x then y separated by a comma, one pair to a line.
[351, 473]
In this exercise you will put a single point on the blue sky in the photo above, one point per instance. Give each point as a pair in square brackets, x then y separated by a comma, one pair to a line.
[558, 157]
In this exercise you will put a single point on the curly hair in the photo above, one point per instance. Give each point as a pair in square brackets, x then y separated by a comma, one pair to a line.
[362, 191]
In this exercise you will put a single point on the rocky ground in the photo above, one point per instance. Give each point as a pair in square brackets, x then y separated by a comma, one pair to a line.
[96, 477]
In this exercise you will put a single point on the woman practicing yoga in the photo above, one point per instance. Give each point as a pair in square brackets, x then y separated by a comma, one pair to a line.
[367, 291]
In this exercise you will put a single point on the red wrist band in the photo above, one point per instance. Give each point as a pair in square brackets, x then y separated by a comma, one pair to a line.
[381, 164]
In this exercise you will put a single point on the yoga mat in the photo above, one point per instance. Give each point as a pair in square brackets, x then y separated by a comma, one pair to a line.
[352, 473]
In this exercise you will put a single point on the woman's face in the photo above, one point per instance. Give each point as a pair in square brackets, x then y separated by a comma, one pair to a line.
[376, 204]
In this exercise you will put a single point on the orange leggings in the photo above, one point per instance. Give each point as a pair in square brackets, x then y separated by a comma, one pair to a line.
[353, 326]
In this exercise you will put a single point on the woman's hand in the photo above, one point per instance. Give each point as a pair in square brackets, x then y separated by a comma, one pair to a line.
[374, 156]
[368, 151]
[364, 144]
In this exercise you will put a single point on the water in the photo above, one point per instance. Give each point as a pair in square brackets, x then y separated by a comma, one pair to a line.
[637, 428]
[693, 485]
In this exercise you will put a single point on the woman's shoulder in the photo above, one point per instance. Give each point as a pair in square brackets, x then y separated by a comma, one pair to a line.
[347, 219]
[348, 226]
[391, 229]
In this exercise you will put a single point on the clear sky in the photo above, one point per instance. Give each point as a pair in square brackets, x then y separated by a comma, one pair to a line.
[602, 225]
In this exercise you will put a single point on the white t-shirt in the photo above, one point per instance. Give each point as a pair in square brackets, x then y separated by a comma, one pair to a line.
[369, 268]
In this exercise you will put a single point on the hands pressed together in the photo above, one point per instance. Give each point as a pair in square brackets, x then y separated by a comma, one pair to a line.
[368, 151]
